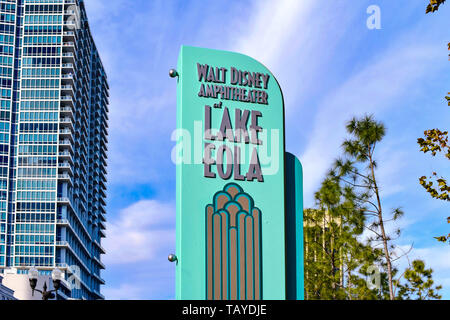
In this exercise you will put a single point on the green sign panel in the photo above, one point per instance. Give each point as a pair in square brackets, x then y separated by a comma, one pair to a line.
[231, 234]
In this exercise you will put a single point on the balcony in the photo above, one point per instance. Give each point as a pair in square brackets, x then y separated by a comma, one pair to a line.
[65, 155]
[69, 35]
[82, 196]
[65, 134]
[67, 90]
[69, 46]
[67, 101]
[66, 112]
[99, 278]
[62, 244]
[102, 209]
[69, 12]
[66, 123]
[63, 222]
[64, 200]
[67, 98]
[69, 57]
[65, 167]
[102, 250]
[105, 138]
[65, 178]
[102, 266]
[75, 254]
[68, 67]
[66, 144]
[68, 79]
[70, 24]
[103, 184]
[67, 76]
[104, 163]
[103, 143]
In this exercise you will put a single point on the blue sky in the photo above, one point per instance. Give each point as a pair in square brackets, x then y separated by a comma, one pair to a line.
[330, 67]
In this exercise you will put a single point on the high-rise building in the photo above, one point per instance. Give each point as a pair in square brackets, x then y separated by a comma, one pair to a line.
[53, 143]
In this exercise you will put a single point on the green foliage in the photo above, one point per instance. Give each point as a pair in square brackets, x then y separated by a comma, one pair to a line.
[358, 171]
[330, 236]
[434, 5]
[444, 238]
[336, 261]
[333, 257]
[419, 284]
[338, 264]
[443, 190]
[435, 141]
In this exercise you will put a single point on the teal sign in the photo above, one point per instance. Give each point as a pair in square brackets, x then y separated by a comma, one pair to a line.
[231, 194]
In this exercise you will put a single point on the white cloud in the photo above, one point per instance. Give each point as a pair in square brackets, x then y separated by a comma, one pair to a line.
[436, 258]
[295, 42]
[270, 28]
[140, 233]
[295, 39]
[391, 158]
[374, 89]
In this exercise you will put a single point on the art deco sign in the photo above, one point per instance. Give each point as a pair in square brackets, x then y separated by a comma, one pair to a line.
[230, 178]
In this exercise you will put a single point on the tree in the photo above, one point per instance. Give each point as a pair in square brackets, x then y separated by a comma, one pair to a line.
[335, 260]
[319, 277]
[358, 279]
[419, 284]
[436, 141]
[338, 264]
[358, 171]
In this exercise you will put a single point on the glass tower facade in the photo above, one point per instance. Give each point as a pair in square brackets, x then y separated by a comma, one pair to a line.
[53, 143]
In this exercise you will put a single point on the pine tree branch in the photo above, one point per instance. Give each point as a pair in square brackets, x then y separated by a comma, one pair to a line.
[355, 185]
